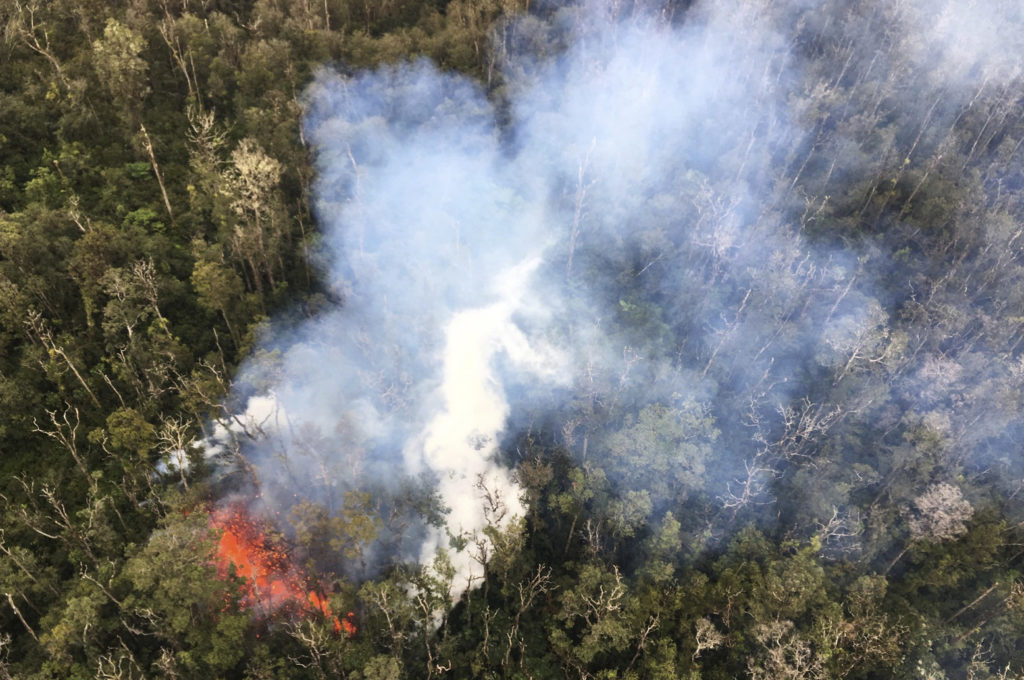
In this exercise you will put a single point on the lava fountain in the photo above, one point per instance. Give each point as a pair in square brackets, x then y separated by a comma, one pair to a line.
[272, 582]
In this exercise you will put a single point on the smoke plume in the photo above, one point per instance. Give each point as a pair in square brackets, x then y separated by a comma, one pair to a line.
[644, 240]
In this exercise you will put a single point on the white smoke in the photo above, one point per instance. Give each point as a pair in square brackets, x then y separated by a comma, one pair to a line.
[453, 244]
[459, 443]
[453, 248]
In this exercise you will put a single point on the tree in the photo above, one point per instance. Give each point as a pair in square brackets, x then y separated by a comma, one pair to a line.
[174, 596]
[785, 654]
[663, 450]
[342, 534]
[121, 69]
[257, 231]
[219, 288]
[938, 514]
[592, 619]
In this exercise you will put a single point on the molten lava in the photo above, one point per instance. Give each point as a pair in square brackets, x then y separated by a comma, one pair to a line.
[272, 582]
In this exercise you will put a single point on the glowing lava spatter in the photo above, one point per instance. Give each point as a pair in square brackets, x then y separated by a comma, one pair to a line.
[272, 582]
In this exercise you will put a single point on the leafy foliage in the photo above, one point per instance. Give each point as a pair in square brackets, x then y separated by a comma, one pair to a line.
[155, 209]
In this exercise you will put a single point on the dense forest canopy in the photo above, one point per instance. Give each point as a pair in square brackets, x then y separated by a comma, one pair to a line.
[508, 339]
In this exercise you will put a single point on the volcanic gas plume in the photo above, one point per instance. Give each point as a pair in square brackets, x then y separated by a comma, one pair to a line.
[272, 582]
[613, 244]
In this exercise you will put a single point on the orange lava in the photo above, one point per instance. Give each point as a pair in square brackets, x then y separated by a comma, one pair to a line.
[272, 582]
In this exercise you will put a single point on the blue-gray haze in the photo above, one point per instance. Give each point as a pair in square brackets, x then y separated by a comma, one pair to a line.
[628, 245]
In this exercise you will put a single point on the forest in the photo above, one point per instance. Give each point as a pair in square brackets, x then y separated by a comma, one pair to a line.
[593, 339]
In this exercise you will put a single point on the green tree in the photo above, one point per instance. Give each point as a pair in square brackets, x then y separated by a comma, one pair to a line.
[121, 69]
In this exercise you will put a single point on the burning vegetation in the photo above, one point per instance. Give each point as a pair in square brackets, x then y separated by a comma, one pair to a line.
[273, 583]
[556, 339]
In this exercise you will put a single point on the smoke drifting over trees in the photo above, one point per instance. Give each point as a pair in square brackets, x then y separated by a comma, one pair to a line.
[585, 340]
[674, 260]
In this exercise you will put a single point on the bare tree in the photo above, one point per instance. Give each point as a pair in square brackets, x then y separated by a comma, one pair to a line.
[785, 654]
[938, 514]
[706, 637]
